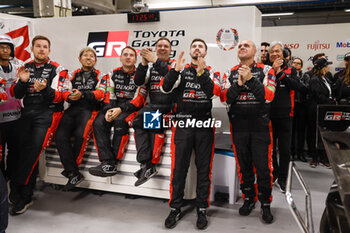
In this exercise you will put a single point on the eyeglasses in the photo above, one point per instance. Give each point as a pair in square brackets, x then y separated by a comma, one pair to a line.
[297, 63]
[5, 48]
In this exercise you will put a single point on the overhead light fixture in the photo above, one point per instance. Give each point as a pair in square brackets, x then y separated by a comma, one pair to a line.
[277, 14]
[6, 6]
[347, 10]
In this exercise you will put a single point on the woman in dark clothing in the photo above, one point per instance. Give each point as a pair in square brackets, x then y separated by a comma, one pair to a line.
[342, 86]
[320, 93]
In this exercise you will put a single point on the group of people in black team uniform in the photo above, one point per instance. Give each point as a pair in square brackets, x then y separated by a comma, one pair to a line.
[261, 99]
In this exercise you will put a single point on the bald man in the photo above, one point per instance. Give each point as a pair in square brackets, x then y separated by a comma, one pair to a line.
[249, 89]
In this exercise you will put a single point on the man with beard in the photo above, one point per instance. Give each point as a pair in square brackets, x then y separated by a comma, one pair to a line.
[124, 99]
[84, 91]
[40, 84]
[194, 85]
[250, 88]
[149, 142]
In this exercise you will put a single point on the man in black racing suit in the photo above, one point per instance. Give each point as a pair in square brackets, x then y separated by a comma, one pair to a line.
[194, 86]
[149, 142]
[84, 91]
[40, 84]
[249, 90]
[123, 101]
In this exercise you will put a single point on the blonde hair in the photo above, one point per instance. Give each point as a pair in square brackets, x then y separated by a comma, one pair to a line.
[87, 49]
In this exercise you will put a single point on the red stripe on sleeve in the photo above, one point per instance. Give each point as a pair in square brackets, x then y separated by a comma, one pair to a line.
[269, 94]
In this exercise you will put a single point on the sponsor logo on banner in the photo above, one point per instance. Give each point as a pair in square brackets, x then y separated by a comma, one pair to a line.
[340, 57]
[149, 39]
[108, 44]
[311, 57]
[318, 45]
[337, 116]
[339, 68]
[227, 39]
[292, 46]
[343, 45]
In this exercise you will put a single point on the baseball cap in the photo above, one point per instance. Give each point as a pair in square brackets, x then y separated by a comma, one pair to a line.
[347, 57]
[322, 62]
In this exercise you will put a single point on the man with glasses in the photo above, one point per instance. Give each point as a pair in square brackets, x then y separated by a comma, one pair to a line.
[10, 111]
[300, 113]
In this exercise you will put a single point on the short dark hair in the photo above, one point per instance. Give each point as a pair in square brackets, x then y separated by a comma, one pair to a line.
[301, 61]
[40, 37]
[200, 40]
[129, 47]
[317, 56]
[163, 38]
[265, 44]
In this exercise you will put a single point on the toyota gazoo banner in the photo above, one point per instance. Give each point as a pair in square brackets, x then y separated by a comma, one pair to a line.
[111, 43]
[20, 32]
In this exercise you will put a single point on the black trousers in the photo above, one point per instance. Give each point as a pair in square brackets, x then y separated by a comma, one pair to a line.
[9, 139]
[252, 144]
[183, 141]
[77, 123]
[106, 149]
[300, 129]
[149, 142]
[3, 204]
[37, 131]
[282, 134]
[34, 125]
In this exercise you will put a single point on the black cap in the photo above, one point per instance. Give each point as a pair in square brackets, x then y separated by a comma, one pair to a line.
[347, 57]
[322, 62]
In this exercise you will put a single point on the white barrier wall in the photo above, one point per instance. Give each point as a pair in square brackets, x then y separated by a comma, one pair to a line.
[307, 40]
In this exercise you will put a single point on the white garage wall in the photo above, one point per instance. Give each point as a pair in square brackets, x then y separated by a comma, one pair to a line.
[69, 35]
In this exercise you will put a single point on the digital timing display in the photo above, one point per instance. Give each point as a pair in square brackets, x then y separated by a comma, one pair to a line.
[143, 17]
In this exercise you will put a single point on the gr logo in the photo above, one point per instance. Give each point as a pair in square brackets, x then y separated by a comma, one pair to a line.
[333, 116]
[108, 44]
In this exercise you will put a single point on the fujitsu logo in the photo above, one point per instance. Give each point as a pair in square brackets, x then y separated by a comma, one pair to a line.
[108, 44]
[317, 45]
